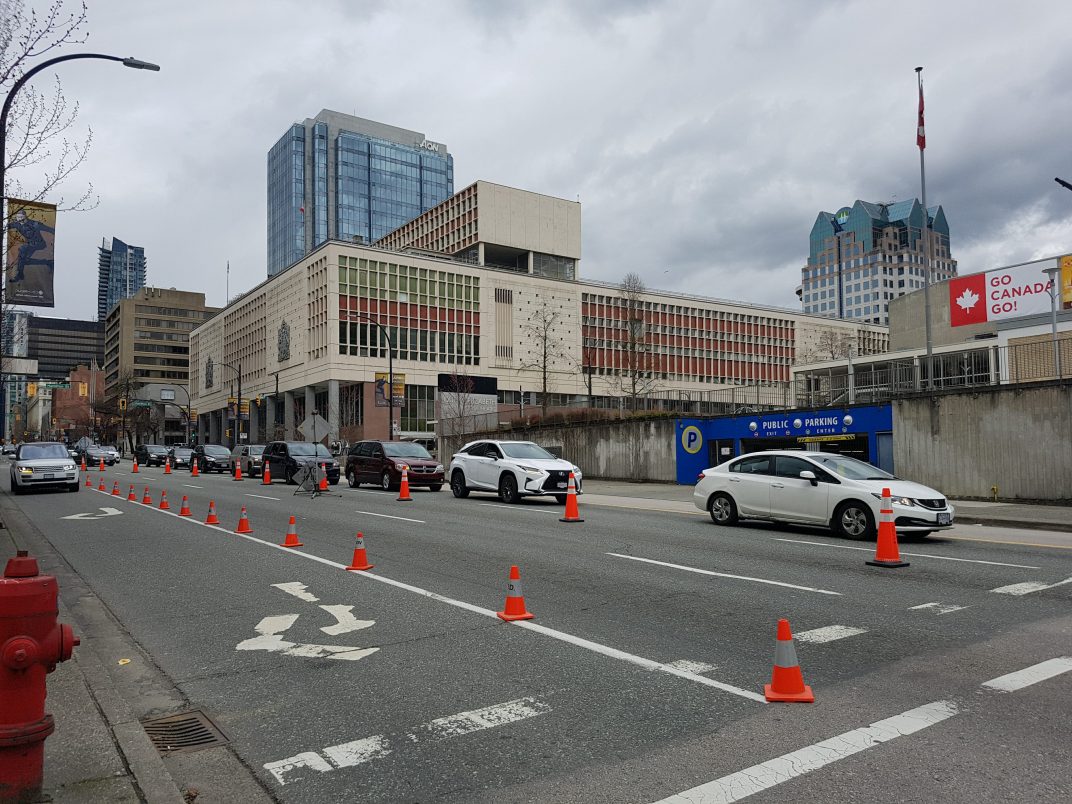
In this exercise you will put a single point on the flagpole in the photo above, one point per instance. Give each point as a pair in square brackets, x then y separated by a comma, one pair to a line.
[921, 141]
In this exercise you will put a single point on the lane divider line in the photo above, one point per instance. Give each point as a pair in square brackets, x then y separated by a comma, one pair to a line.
[519, 508]
[828, 633]
[595, 647]
[938, 608]
[388, 516]
[264, 497]
[1028, 587]
[1010, 682]
[916, 555]
[727, 575]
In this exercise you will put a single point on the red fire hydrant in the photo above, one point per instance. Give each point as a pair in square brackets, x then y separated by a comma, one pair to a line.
[31, 644]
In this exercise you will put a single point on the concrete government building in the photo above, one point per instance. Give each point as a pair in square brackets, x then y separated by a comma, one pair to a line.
[462, 289]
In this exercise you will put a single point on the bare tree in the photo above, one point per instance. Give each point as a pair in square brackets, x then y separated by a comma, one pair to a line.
[831, 344]
[636, 377]
[457, 407]
[40, 122]
[548, 353]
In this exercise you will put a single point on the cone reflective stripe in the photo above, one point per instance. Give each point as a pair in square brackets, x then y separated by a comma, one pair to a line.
[787, 682]
[515, 601]
[135, 469]
[115, 489]
[324, 477]
[167, 466]
[184, 509]
[886, 552]
[292, 534]
[243, 523]
[163, 501]
[102, 487]
[237, 471]
[146, 498]
[101, 467]
[266, 475]
[360, 561]
[403, 488]
[573, 513]
[193, 468]
[132, 497]
[212, 519]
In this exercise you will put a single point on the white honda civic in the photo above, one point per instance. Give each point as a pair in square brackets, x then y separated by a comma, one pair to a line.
[817, 488]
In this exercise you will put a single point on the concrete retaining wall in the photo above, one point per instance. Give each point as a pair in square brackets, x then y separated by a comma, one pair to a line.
[964, 444]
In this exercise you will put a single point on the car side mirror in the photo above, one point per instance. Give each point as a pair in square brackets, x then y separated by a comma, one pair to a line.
[807, 474]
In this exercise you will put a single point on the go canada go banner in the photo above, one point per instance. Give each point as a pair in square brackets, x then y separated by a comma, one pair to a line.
[1012, 292]
[31, 244]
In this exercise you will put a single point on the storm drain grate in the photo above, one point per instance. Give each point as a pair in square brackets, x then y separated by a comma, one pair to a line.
[188, 731]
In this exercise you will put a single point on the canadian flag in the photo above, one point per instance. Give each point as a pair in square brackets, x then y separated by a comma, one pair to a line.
[967, 300]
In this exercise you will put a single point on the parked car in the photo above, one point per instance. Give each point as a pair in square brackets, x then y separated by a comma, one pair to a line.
[8, 449]
[382, 462]
[43, 464]
[95, 453]
[513, 469]
[181, 457]
[150, 454]
[249, 456]
[211, 458]
[818, 488]
[285, 458]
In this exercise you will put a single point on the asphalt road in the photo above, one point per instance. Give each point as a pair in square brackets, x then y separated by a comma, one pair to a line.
[640, 677]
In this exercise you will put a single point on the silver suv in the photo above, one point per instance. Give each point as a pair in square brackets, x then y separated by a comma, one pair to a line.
[43, 464]
[512, 469]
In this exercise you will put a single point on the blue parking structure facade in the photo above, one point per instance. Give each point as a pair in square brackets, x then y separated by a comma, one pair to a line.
[861, 431]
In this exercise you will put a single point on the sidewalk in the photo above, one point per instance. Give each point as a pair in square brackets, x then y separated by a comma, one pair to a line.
[672, 497]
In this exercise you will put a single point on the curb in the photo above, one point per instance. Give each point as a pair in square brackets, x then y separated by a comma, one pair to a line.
[1026, 524]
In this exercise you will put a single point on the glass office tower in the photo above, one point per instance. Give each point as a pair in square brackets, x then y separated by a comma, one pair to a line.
[120, 274]
[339, 177]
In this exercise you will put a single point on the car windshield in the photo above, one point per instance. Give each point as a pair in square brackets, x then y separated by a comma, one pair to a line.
[182, 452]
[256, 449]
[405, 449]
[32, 451]
[851, 468]
[156, 449]
[523, 449]
[303, 449]
[219, 452]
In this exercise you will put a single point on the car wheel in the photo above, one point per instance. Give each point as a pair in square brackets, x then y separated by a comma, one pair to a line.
[15, 487]
[351, 479]
[457, 485]
[561, 498]
[435, 487]
[508, 489]
[722, 508]
[854, 520]
[385, 480]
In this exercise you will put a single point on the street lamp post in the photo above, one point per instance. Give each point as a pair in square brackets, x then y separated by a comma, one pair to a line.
[1054, 274]
[390, 374]
[186, 391]
[238, 408]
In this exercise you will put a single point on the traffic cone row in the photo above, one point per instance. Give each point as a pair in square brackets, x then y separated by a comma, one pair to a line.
[147, 498]
[89, 482]
[163, 501]
[360, 559]
[102, 487]
[184, 510]
[115, 489]
[323, 477]
[291, 539]
[403, 489]
[573, 513]
[83, 462]
[243, 523]
[212, 519]
[101, 467]
[135, 469]
[132, 497]
[266, 475]
[193, 469]
[237, 471]
[886, 552]
[167, 466]
[787, 682]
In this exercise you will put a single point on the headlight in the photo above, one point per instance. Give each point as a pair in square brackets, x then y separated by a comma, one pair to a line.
[26, 470]
[439, 467]
[69, 467]
[530, 469]
[576, 470]
[401, 466]
[907, 502]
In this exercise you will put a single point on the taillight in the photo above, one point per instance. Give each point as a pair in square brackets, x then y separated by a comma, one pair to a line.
[700, 477]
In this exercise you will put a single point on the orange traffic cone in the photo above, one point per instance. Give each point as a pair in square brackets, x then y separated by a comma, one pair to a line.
[193, 469]
[323, 477]
[146, 498]
[184, 510]
[212, 519]
[787, 682]
[403, 488]
[360, 561]
[102, 487]
[167, 466]
[83, 462]
[101, 467]
[237, 471]
[115, 489]
[132, 497]
[89, 482]
[292, 534]
[243, 523]
[163, 501]
[573, 514]
[886, 552]
[135, 469]
[515, 601]
[266, 475]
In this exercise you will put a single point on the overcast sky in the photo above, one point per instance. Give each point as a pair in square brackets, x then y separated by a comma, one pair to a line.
[702, 138]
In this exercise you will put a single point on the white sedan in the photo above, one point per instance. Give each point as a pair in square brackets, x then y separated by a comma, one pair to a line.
[817, 488]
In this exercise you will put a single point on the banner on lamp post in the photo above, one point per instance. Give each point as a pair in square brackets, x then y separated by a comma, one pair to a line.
[31, 253]
[398, 394]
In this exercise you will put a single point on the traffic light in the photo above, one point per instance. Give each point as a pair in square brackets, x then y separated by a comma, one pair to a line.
[122, 403]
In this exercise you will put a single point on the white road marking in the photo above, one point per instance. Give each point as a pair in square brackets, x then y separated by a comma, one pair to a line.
[263, 497]
[829, 633]
[388, 516]
[191, 486]
[357, 752]
[346, 621]
[938, 608]
[726, 575]
[595, 647]
[298, 590]
[765, 775]
[1029, 587]
[914, 555]
[519, 508]
[689, 666]
[107, 512]
[1030, 675]
[268, 639]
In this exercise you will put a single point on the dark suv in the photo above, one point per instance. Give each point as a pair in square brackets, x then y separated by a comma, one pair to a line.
[211, 458]
[284, 458]
[381, 463]
[150, 454]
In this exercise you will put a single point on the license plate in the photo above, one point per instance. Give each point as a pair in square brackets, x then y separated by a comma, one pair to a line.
[562, 485]
[944, 519]
[49, 476]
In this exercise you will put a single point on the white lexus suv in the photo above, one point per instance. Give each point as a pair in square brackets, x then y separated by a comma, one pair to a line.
[818, 488]
[513, 469]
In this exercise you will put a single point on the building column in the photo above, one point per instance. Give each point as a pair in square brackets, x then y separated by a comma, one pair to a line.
[310, 400]
[333, 409]
[288, 415]
[269, 419]
[213, 428]
[200, 429]
[254, 423]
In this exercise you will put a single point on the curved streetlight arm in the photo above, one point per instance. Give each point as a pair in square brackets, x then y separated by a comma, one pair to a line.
[390, 373]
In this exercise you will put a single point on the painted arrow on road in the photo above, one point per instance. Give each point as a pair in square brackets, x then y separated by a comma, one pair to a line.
[105, 512]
